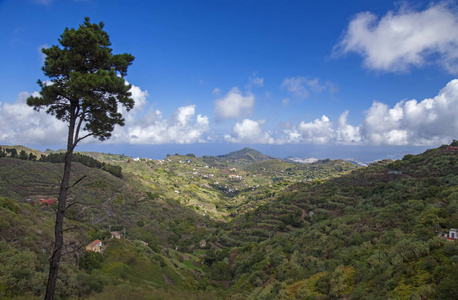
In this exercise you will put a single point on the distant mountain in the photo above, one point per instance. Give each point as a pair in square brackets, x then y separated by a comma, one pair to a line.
[245, 155]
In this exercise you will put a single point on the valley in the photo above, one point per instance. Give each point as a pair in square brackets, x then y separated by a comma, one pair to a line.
[237, 226]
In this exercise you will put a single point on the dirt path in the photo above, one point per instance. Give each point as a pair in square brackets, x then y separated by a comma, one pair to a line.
[167, 279]
[303, 210]
[109, 213]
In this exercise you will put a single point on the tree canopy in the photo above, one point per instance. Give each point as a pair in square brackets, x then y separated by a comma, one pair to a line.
[85, 82]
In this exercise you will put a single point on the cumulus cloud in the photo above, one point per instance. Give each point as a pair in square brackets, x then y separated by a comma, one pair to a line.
[20, 124]
[234, 104]
[249, 132]
[347, 134]
[319, 131]
[404, 38]
[431, 121]
[148, 126]
[183, 127]
[301, 86]
[428, 122]
[140, 98]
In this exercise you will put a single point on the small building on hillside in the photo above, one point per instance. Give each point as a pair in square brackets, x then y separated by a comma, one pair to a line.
[95, 246]
[47, 202]
[115, 235]
[451, 236]
[203, 244]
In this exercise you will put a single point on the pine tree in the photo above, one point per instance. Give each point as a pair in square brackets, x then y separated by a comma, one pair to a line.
[86, 85]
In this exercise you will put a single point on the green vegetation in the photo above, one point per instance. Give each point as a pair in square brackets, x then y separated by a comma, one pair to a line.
[280, 230]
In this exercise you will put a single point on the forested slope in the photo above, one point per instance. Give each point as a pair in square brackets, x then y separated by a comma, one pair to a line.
[371, 234]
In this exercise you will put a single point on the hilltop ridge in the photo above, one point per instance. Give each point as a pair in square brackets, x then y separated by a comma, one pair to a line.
[245, 155]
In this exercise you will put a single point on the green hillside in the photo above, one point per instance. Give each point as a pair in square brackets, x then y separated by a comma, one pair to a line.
[270, 229]
[371, 234]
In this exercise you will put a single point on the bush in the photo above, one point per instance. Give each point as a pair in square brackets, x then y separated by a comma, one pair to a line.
[90, 261]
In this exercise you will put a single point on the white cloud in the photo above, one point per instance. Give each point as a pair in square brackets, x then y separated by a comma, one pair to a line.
[347, 134]
[20, 124]
[295, 85]
[42, 55]
[317, 132]
[427, 122]
[216, 91]
[255, 82]
[249, 132]
[147, 126]
[183, 127]
[431, 121]
[285, 101]
[139, 98]
[404, 38]
[234, 104]
[302, 86]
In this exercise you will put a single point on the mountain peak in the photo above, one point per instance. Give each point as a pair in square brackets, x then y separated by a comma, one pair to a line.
[246, 154]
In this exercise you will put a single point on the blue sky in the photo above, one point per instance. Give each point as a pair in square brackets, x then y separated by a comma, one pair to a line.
[289, 77]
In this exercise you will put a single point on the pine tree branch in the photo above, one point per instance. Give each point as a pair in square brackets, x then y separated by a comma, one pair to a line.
[69, 228]
[78, 181]
[71, 204]
[75, 250]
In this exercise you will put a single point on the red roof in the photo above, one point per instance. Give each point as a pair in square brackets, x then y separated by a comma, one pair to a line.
[95, 243]
[47, 201]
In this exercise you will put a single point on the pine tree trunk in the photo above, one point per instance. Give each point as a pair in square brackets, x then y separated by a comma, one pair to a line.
[54, 262]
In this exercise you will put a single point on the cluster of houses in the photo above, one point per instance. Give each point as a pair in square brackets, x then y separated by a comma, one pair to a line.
[96, 246]
[162, 161]
[141, 159]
